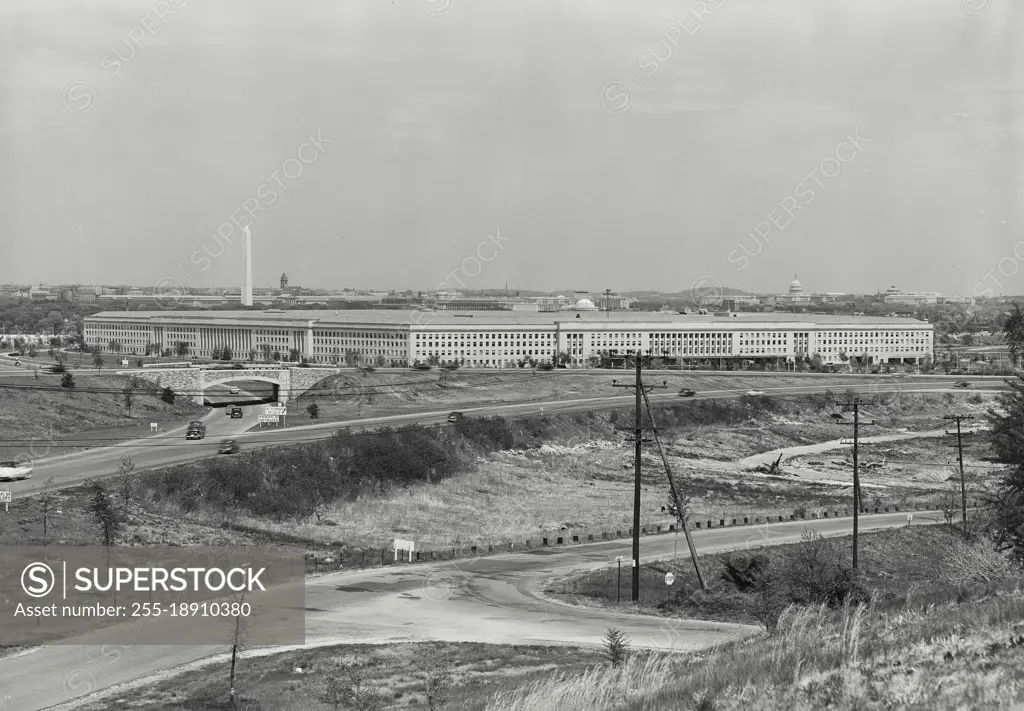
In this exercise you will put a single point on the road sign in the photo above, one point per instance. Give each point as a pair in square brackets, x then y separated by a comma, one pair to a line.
[618, 559]
[669, 578]
[5, 496]
[401, 545]
[275, 410]
[268, 418]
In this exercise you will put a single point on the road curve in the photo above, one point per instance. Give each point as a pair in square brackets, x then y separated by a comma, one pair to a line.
[494, 599]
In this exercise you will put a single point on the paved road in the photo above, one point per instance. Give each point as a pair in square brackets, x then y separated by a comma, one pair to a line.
[172, 448]
[494, 599]
[765, 458]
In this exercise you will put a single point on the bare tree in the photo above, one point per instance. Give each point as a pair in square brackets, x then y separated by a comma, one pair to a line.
[129, 397]
[126, 479]
[348, 687]
[46, 498]
[237, 642]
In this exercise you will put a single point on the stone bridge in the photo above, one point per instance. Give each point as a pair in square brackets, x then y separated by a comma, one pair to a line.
[192, 382]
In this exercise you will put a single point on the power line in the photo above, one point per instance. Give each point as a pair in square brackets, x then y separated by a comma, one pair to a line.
[960, 455]
[856, 474]
[638, 440]
[679, 501]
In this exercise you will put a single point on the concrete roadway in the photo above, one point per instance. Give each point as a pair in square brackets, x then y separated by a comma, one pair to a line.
[171, 447]
[495, 599]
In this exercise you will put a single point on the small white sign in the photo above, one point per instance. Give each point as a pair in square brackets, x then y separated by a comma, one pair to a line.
[5, 496]
[618, 559]
[669, 578]
[124, 361]
[268, 418]
[153, 427]
[402, 545]
[275, 410]
[910, 517]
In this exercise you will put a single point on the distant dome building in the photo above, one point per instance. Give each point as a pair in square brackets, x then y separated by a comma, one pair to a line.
[584, 305]
[796, 294]
[284, 282]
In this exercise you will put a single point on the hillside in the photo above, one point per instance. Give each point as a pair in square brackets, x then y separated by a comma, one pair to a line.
[38, 418]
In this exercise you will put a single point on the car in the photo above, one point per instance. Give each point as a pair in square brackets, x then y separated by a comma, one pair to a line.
[14, 471]
[422, 366]
[196, 424]
[235, 412]
[963, 384]
[233, 390]
[455, 416]
[545, 366]
[228, 446]
[195, 433]
[687, 393]
[755, 393]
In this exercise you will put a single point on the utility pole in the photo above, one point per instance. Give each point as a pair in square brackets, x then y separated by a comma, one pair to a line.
[960, 456]
[856, 473]
[681, 512]
[638, 440]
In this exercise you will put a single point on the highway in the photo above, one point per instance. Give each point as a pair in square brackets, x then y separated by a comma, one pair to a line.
[171, 447]
[495, 599]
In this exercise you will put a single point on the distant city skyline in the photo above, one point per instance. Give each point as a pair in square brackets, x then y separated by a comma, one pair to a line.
[860, 145]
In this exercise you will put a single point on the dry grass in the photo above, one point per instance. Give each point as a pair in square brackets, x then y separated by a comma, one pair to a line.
[937, 657]
[292, 680]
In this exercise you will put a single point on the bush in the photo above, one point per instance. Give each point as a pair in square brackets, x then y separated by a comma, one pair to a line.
[812, 572]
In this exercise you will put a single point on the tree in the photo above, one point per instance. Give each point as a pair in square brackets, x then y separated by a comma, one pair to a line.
[115, 347]
[276, 355]
[33, 351]
[97, 359]
[1006, 437]
[61, 357]
[126, 479]
[564, 358]
[616, 645]
[816, 363]
[236, 646]
[215, 353]
[347, 688]
[129, 396]
[167, 395]
[252, 354]
[104, 513]
[46, 498]
[293, 355]
[1013, 329]
[314, 411]
[67, 381]
[226, 353]
[181, 349]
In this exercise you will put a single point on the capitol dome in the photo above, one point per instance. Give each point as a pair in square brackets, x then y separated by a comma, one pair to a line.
[584, 305]
[795, 287]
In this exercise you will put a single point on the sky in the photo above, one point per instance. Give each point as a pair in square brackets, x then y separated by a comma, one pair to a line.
[553, 144]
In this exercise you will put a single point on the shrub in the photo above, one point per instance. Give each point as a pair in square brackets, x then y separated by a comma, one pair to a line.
[811, 572]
